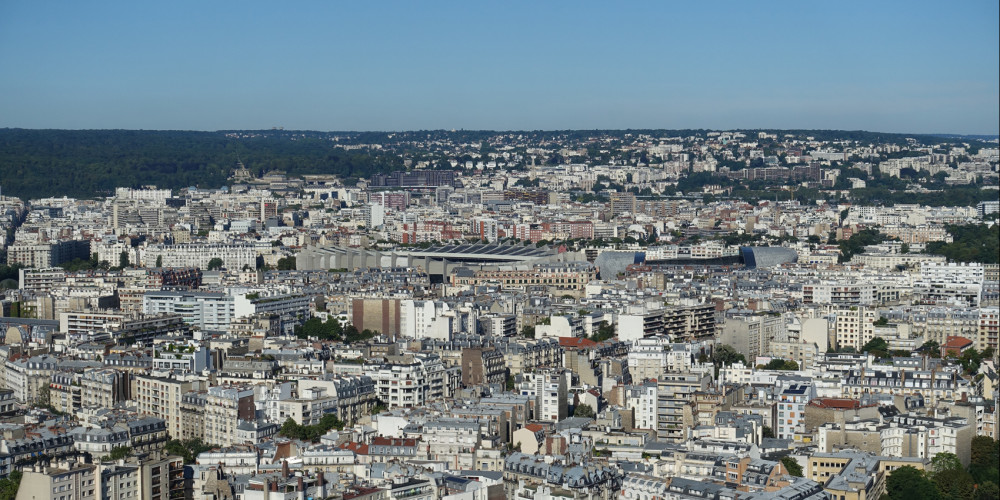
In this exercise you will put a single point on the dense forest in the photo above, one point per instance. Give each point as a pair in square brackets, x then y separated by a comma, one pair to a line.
[972, 243]
[91, 163]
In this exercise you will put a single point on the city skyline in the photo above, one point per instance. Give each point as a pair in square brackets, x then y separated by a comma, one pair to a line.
[906, 68]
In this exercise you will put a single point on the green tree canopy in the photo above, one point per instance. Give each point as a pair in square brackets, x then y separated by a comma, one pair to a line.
[877, 344]
[604, 332]
[120, 452]
[188, 449]
[10, 485]
[215, 264]
[792, 466]
[585, 411]
[781, 364]
[727, 354]
[908, 483]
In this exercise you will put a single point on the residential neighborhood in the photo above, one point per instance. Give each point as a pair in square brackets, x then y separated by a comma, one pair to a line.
[704, 315]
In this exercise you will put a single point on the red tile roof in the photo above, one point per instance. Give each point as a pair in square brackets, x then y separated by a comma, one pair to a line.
[837, 404]
[385, 441]
[359, 448]
[576, 342]
[956, 342]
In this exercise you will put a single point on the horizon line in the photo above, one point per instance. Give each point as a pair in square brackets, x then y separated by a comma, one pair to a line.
[501, 131]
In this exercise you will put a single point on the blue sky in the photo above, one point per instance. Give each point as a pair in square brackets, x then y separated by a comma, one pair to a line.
[913, 66]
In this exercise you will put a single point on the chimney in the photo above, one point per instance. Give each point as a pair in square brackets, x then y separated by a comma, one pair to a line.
[284, 468]
[320, 485]
[274, 487]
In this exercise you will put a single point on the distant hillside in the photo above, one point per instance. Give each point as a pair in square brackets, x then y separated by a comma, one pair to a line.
[90, 163]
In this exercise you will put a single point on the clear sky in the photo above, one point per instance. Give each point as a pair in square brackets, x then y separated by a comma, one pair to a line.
[907, 66]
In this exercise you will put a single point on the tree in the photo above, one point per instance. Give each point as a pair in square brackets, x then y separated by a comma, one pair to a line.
[10, 485]
[286, 264]
[988, 491]
[767, 432]
[123, 259]
[188, 449]
[908, 483]
[945, 461]
[932, 348]
[528, 331]
[781, 364]
[215, 264]
[159, 261]
[984, 463]
[604, 332]
[120, 453]
[794, 469]
[955, 483]
[585, 411]
[877, 344]
[726, 354]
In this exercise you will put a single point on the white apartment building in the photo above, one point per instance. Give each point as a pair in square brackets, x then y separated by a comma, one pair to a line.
[307, 409]
[425, 318]
[840, 294]
[792, 403]
[641, 399]
[412, 384]
[550, 389]
[188, 358]
[234, 256]
[949, 284]
[209, 311]
[292, 310]
[452, 440]
[651, 357]
[854, 326]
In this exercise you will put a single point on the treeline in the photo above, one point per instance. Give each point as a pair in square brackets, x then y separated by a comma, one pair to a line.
[971, 243]
[292, 429]
[332, 330]
[188, 449]
[947, 479]
[957, 196]
[857, 243]
[92, 163]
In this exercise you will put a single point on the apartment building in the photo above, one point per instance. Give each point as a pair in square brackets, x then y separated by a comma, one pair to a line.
[105, 388]
[67, 480]
[989, 328]
[791, 411]
[752, 336]
[161, 397]
[564, 278]
[224, 408]
[408, 384]
[209, 311]
[673, 394]
[854, 326]
[482, 366]
[198, 255]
